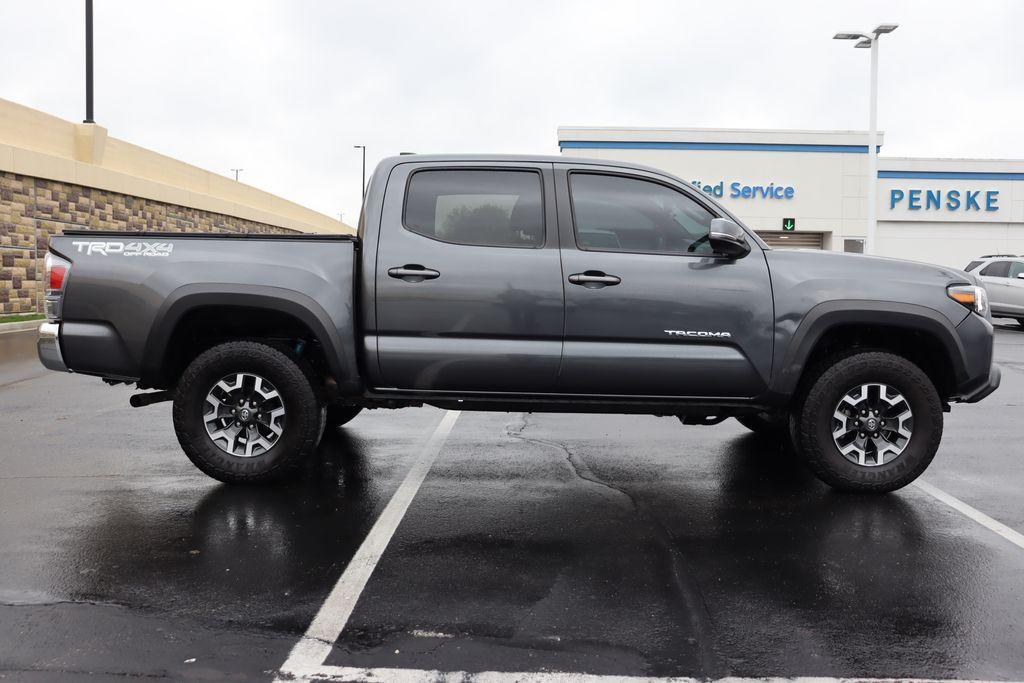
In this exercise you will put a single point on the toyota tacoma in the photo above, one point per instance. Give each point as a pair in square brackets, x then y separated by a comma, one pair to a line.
[514, 283]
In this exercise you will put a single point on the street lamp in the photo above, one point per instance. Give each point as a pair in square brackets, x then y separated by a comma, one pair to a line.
[362, 147]
[871, 41]
[237, 171]
[88, 62]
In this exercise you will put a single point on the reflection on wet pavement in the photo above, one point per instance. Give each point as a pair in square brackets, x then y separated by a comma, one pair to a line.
[600, 544]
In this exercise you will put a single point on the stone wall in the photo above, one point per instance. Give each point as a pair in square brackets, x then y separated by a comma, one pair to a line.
[34, 209]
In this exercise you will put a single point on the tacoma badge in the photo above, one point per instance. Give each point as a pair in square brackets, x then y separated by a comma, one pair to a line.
[697, 333]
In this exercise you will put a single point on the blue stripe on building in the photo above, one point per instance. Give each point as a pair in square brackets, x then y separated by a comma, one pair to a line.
[727, 146]
[951, 175]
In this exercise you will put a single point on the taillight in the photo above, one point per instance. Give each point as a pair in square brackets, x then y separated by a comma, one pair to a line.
[56, 273]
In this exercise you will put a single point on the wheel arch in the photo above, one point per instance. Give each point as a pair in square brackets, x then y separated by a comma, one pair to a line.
[921, 334]
[189, 300]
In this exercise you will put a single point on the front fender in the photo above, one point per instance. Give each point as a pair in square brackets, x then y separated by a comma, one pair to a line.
[793, 348]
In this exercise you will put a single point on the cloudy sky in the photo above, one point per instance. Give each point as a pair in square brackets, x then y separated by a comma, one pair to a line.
[285, 89]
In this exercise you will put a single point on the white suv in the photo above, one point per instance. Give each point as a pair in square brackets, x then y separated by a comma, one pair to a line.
[1002, 275]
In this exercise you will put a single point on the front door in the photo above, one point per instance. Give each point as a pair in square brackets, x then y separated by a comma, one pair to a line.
[468, 281]
[650, 310]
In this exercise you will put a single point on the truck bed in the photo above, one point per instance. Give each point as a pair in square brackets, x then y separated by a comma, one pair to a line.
[128, 292]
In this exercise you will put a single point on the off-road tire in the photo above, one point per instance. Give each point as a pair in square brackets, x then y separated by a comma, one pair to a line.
[812, 421]
[304, 416]
[338, 415]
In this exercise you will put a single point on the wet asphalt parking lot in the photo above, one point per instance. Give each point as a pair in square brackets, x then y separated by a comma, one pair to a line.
[422, 542]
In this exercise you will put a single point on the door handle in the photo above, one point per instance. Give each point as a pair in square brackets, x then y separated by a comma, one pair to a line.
[413, 272]
[594, 279]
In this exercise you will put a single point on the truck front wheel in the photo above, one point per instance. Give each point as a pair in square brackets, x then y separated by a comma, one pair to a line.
[245, 412]
[870, 422]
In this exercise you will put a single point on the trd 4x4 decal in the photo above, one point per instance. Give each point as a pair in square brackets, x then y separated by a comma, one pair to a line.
[125, 248]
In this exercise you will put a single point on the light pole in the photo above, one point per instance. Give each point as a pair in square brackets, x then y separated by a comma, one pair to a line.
[865, 40]
[362, 147]
[88, 62]
[237, 171]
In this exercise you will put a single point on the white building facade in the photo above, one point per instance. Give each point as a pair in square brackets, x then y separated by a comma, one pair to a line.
[809, 188]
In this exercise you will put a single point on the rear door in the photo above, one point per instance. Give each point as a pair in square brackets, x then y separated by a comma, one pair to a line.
[649, 309]
[468, 280]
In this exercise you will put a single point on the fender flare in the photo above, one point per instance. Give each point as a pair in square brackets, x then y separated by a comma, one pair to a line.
[791, 360]
[188, 298]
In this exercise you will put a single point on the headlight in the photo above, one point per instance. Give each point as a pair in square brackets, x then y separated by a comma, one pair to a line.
[974, 298]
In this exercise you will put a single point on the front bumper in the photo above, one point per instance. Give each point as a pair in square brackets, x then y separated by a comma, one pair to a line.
[984, 388]
[48, 347]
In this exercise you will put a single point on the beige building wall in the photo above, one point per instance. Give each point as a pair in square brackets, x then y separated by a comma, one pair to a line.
[56, 175]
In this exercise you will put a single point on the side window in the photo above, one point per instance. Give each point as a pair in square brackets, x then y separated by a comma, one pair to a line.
[1016, 268]
[996, 269]
[613, 213]
[972, 265]
[480, 208]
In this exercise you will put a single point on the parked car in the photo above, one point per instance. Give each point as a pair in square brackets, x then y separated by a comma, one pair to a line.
[523, 284]
[1002, 276]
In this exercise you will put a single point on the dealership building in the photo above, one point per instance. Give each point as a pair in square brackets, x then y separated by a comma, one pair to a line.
[803, 188]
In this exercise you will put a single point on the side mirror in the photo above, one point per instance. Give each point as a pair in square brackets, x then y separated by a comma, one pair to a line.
[727, 238]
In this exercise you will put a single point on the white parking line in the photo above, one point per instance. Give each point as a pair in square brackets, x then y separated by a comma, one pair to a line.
[306, 660]
[1014, 537]
[347, 673]
[309, 653]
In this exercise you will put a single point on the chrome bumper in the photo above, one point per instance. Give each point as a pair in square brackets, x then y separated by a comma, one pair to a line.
[48, 347]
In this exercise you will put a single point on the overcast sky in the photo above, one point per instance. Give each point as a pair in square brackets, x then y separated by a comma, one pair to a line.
[285, 89]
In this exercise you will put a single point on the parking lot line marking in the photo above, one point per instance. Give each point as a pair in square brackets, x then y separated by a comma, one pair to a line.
[395, 675]
[315, 645]
[1011, 535]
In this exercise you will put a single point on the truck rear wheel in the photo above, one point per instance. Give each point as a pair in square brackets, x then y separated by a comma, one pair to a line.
[870, 422]
[246, 412]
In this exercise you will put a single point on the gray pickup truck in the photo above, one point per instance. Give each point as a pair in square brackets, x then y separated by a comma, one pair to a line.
[523, 284]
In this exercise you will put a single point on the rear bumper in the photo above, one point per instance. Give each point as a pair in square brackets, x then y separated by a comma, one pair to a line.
[48, 347]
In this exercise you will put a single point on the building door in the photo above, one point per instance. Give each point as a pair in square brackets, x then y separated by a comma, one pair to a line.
[777, 239]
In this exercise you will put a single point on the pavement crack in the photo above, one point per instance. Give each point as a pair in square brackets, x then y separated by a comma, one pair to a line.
[85, 673]
[53, 603]
[687, 589]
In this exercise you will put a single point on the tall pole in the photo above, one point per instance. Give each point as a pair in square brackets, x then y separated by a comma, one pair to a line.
[869, 237]
[88, 62]
[363, 147]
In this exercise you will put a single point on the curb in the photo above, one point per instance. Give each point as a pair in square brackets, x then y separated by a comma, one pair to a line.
[20, 326]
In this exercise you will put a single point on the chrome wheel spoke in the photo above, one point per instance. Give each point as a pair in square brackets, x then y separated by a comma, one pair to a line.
[839, 429]
[244, 414]
[857, 449]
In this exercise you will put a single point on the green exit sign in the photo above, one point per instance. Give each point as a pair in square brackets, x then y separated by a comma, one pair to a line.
[789, 224]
